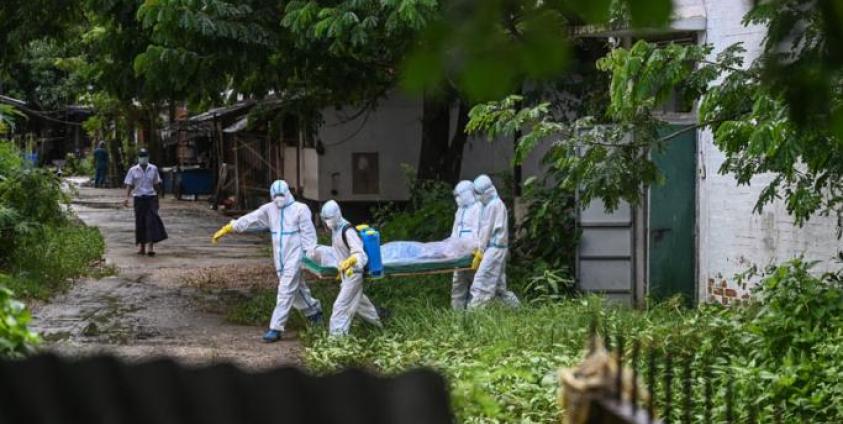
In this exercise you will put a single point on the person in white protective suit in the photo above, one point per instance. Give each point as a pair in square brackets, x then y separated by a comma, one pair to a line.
[351, 260]
[293, 237]
[466, 226]
[490, 277]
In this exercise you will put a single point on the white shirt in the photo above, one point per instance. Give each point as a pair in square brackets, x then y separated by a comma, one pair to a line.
[143, 182]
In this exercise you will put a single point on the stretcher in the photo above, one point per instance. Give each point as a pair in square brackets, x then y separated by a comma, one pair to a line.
[396, 270]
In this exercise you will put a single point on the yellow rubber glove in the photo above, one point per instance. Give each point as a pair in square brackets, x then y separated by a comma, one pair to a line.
[475, 262]
[347, 265]
[227, 228]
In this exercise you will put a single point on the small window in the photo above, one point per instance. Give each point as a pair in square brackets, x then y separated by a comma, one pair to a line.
[365, 173]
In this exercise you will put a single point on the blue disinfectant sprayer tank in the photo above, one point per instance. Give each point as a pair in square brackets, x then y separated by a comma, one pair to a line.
[372, 246]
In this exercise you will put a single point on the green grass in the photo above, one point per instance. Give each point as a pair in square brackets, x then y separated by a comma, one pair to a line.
[501, 362]
[783, 352]
[397, 294]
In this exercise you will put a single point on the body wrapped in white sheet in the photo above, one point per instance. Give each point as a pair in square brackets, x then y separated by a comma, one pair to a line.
[400, 253]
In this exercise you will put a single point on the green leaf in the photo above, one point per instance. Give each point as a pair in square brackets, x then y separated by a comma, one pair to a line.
[650, 13]
[421, 70]
[593, 11]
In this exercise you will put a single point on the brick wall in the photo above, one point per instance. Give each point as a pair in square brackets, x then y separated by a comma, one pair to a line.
[726, 293]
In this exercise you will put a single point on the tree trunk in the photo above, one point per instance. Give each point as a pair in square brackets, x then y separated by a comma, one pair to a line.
[455, 151]
[440, 158]
[153, 143]
[115, 154]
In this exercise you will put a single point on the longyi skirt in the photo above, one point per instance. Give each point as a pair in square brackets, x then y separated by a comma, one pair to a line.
[148, 225]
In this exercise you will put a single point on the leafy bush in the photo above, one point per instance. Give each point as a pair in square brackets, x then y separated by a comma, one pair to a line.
[429, 215]
[544, 250]
[41, 246]
[548, 230]
[15, 338]
[36, 194]
[30, 199]
[793, 341]
[10, 158]
[45, 259]
[79, 166]
[548, 285]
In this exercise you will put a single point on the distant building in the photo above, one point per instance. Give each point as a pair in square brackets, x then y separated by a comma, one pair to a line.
[695, 233]
[48, 136]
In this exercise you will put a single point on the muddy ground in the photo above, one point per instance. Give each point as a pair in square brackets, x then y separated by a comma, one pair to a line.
[164, 305]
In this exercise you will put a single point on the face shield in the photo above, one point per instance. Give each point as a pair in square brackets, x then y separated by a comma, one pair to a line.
[331, 215]
[464, 194]
[331, 223]
[484, 189]
[279, 191]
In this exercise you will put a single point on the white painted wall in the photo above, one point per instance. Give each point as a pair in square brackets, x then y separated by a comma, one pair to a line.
[481, 156]
[310, 173]
[393, 130]
[731, 236]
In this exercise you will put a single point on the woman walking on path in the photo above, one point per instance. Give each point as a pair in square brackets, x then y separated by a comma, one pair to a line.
[142, 182]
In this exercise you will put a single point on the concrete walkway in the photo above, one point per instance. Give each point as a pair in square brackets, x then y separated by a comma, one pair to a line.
[149, 309]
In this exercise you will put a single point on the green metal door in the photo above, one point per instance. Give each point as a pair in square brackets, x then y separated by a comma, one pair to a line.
[672, 219]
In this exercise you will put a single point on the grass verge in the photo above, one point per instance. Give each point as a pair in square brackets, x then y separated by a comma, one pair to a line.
[47, 260]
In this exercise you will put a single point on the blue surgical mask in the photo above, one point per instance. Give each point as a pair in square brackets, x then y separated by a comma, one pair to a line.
[143, 161]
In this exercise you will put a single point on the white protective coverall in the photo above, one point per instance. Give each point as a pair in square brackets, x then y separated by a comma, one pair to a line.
[293, 236]
[350, 300]
[490, 278]
[466, 225]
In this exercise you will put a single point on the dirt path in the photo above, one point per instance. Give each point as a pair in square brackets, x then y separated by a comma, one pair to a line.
[148, 309]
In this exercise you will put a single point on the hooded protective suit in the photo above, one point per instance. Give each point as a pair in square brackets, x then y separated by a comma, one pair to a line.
[490, 278]
[466, 225]
[350, 300]
[293, 236]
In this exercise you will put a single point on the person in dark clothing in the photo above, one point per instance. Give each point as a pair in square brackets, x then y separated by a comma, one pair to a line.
[100, 164]
[142, 183]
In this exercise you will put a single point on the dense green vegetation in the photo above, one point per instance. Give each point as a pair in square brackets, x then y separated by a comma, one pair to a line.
[43, 246]
[782, 351]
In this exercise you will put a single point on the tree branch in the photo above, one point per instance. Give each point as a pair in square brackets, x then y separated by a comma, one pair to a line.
[730, 68]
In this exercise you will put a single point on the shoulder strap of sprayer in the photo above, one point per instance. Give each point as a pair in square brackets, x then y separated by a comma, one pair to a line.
[344, 237]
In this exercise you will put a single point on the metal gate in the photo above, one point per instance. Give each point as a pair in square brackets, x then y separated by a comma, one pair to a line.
[605, 258]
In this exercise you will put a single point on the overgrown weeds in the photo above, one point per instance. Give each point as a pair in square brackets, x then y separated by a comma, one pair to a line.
[43, 247]
[45, 259]
[783, 351]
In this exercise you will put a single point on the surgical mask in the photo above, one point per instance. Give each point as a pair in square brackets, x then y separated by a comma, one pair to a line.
[330, 222]
[465, 198]
[488, 197]
[143, 161]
